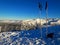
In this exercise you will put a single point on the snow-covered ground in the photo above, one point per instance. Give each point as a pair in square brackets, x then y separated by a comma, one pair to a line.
[31, 37]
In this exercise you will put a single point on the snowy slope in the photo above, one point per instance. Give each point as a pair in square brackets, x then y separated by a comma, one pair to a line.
[31, 37]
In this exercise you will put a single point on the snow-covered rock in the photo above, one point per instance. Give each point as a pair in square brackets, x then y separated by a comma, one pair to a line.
[41, 21]
[58, 21]
[55, 23]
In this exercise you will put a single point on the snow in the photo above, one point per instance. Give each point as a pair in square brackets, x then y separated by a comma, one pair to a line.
[31, 37]
[26, 24]
[37, 42]
[42, 21]
[58, 38]
[58, 21]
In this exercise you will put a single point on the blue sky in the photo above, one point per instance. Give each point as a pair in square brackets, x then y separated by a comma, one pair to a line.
[27, 9]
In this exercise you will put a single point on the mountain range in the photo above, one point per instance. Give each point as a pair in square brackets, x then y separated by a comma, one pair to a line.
[7, 25]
